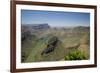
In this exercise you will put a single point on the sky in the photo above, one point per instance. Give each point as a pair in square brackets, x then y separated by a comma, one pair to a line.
[55, 18]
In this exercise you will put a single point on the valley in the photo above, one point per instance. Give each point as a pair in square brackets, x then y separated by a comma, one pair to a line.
[41, 42]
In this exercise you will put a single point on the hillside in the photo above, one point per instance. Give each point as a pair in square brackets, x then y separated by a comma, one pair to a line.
[54, 43]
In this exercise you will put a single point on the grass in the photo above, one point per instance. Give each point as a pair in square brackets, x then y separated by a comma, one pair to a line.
[64, 50]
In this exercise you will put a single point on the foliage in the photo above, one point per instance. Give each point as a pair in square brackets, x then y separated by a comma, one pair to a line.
[75, 55]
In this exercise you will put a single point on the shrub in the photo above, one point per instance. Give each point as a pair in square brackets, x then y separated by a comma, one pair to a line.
[75, 55]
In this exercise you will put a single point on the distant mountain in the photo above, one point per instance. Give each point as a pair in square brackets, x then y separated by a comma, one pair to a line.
[82, 28]
[35, 26]
[27, 30]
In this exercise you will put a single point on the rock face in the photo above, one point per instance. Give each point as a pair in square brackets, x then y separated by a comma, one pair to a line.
[51, 45]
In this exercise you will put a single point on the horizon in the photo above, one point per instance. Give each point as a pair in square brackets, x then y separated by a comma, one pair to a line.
[54, 26]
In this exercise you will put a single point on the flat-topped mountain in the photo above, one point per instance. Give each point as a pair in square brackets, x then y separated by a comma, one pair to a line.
[36, 26]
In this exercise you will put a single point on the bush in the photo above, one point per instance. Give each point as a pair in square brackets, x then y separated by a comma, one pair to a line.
[75, 55]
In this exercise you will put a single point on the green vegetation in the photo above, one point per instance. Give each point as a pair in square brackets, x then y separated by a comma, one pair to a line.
[71, 44]
[75, 55]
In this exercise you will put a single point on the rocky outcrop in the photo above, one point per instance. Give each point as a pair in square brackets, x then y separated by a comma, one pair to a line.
[51, 45]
